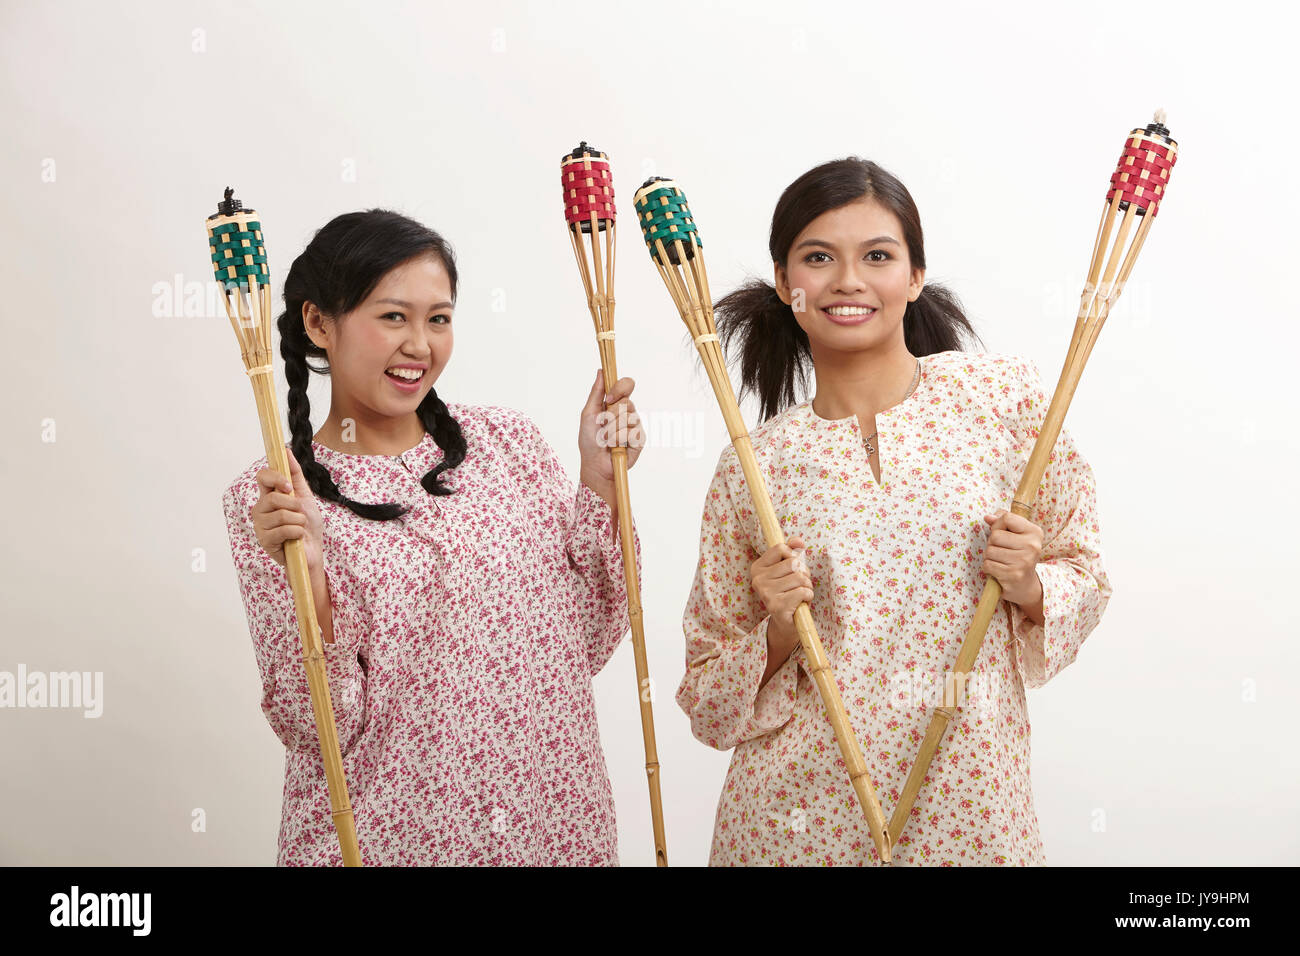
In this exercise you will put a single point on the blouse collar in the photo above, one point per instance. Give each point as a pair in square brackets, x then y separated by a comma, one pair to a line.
[327, 452]
[804, 413]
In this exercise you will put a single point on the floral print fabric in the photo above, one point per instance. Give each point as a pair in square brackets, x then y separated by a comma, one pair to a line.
[466, 635]
[895, 569]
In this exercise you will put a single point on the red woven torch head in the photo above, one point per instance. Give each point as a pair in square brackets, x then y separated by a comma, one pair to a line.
[588, 188]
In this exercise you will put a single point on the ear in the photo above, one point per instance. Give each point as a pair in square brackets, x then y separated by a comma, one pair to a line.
[782, 283]
[915, 285]
[314, 324]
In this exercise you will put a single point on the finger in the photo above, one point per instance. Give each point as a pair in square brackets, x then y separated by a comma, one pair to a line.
[1004, 555]
[1015, 540]
[1001, 538]
[775, 554]
[300, 486]
[621, 389]
[287, 532]
[790, 571]
[594, 403]
[280, 519]
[1017, 523]
[1013, 522]
[268, 479]
[282, 501]
[285, 516]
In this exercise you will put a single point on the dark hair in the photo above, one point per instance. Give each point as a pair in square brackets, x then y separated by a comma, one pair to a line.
[774, 350]
[340, 267]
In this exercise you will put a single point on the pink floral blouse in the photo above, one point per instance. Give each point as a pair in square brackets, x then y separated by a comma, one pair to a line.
[466, 635]
[895, 569]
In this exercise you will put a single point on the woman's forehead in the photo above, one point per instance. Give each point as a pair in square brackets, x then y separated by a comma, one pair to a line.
[862, 219]
[419, 282]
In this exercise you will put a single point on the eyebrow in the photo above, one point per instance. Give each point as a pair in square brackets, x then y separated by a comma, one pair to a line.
[406, 305]
[865, 242]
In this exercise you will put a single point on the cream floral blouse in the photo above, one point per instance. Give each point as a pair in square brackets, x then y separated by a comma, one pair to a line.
[895, 569]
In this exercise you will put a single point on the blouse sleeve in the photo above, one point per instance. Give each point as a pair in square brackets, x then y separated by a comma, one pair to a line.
[1076, 588]
[725, 625]
[592, 545]
[273, 626]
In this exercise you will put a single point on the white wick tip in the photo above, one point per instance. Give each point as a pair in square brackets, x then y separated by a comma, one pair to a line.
[1160, 116]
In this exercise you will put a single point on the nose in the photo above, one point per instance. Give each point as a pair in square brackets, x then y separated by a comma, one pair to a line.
[417, 344]
[847, 280]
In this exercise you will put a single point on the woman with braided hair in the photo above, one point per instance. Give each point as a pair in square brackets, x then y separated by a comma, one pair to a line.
[466, 592]
[890, 482]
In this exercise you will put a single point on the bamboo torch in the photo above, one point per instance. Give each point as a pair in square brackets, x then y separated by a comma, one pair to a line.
[1136, 188]
[589, 211]
[675, 247]
[239, 260]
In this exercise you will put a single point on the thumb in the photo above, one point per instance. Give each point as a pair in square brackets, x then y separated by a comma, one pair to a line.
[595, 398]
[295, 474]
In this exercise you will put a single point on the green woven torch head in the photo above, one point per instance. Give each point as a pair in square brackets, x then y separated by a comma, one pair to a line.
[664, 214]
[235, 241]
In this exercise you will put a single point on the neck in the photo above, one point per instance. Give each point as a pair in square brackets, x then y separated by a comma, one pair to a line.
[861, 383]
[367, 434]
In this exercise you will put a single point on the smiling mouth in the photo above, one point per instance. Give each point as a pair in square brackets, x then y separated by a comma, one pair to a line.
[405, 384]
[854, 316]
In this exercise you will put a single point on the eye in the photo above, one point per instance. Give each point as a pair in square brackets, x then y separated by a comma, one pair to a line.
[809, 257]
[880, 252]
[442, 316]
[390, 315]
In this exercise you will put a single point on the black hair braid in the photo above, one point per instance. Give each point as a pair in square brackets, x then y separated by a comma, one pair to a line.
[341, 266]
[445, 430]
[293, 349]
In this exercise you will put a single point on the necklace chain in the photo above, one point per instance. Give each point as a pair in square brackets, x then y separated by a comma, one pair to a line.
[871, 449]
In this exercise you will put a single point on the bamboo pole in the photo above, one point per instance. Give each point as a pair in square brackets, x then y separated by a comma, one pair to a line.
[1094, 307]
[687, 283]
[250, 319]
[598, 283]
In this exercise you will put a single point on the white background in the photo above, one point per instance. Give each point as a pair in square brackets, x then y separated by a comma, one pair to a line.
[1174, 726]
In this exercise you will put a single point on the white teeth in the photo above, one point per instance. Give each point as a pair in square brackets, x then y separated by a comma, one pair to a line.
[849, 310]
[410, 374]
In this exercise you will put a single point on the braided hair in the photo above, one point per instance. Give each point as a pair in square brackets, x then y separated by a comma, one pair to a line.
[340, 267]
[775, 354]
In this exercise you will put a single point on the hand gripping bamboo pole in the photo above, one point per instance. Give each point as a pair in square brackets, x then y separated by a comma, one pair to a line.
[677, 252]
[1137, 186]
[239, 260]
[589, 211]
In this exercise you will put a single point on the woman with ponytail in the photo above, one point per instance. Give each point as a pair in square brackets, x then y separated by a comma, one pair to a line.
[891, 483]
[466, 592]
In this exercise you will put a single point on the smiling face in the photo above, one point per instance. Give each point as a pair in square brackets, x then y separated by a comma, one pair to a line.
[386, 353]
[852, 267]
